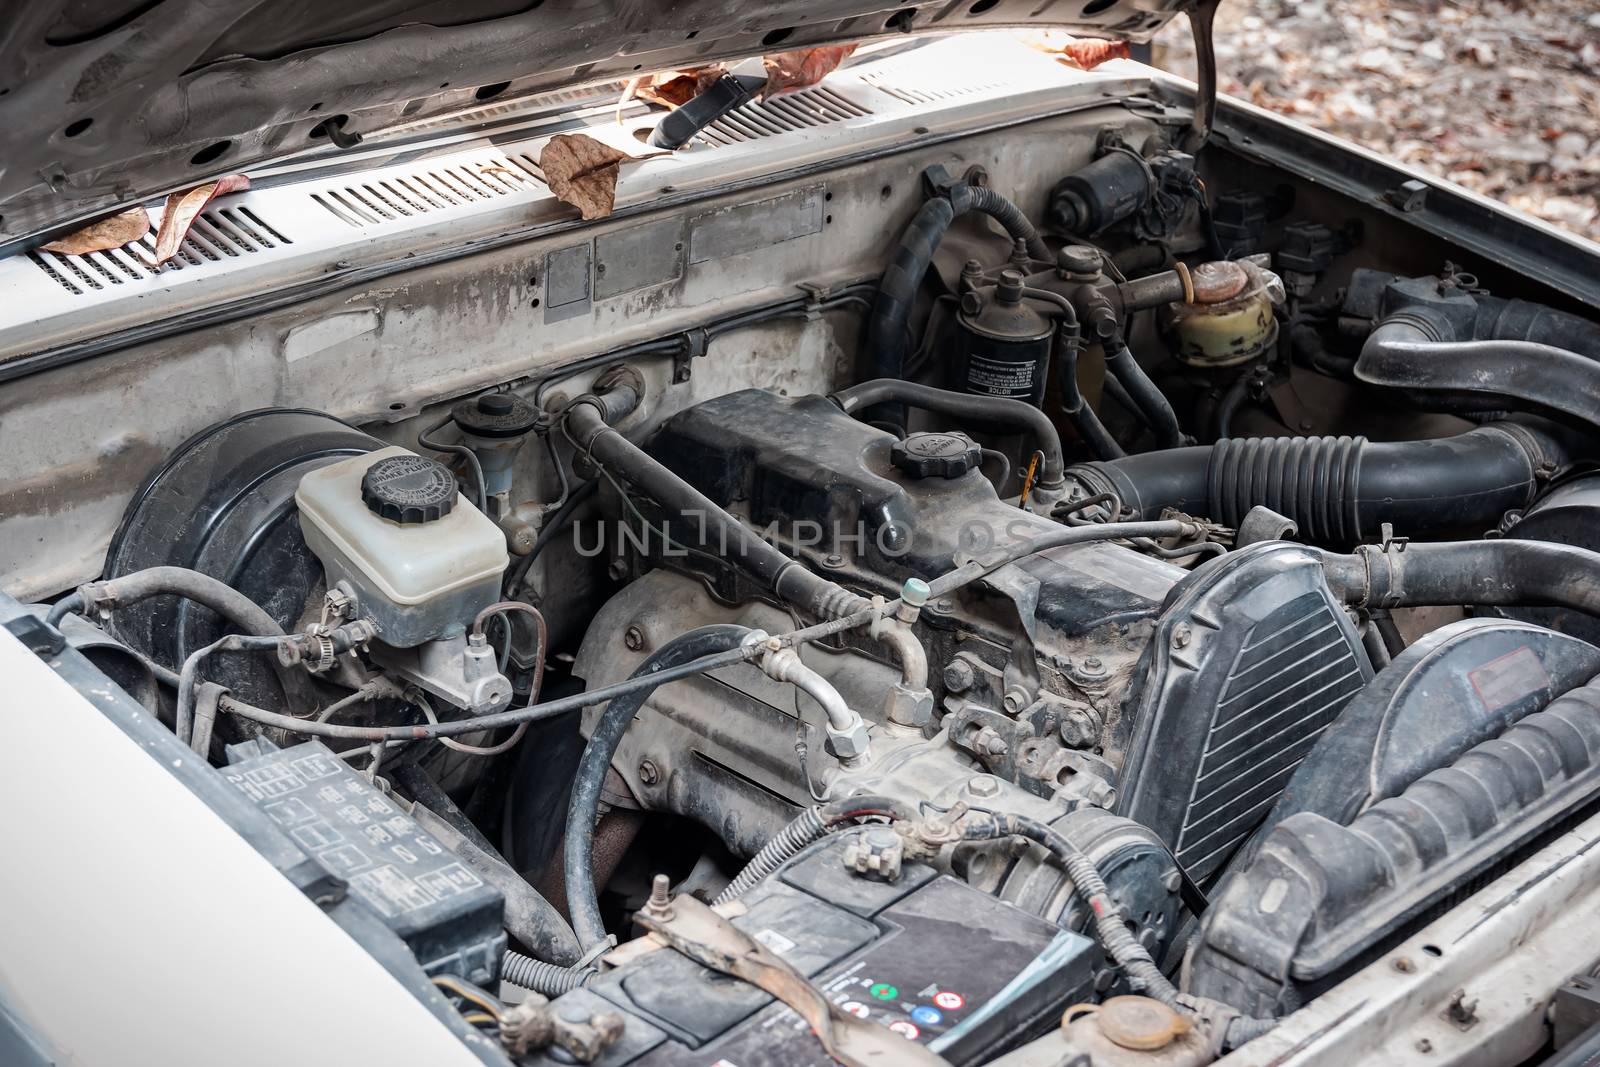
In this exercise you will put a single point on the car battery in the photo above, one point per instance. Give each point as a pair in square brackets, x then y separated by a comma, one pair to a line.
[927, 956]
[449, 917]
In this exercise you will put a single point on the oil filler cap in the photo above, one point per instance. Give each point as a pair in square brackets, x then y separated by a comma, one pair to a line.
[408, 489]
[935, 455]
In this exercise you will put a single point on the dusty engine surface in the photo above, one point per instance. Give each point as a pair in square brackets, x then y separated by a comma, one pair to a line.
[1087, 677]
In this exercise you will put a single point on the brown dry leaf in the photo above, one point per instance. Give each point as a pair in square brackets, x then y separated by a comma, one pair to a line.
[788, 71]
[1085, 55]
[582, 171]
[674, 88]
[113, 232]
[183, 208]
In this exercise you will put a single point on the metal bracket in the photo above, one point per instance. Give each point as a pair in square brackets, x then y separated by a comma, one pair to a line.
[695, 343]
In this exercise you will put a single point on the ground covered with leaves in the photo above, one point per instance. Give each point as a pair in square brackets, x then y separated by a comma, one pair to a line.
[1501, 98]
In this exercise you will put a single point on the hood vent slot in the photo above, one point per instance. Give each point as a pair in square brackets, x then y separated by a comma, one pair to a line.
[800, 110]
[225, 233]
[917, 95]
[386, 200]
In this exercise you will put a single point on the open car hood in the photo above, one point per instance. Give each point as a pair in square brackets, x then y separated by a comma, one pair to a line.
[107, 102]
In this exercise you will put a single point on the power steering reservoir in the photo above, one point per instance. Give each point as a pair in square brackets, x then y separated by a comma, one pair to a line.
[421, 559]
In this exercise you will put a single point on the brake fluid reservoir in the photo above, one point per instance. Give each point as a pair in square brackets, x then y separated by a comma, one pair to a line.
[421, 559]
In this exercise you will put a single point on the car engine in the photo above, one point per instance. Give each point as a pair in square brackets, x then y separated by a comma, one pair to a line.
[1152, 598]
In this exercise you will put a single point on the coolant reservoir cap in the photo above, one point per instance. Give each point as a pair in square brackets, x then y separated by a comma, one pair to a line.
[935, 455]
[408, 489]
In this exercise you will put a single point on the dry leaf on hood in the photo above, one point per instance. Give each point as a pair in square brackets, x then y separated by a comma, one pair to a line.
[582, 171]
[674, 88]
[183, 208]
[113, 232]
[787, 71]
[1078, 53]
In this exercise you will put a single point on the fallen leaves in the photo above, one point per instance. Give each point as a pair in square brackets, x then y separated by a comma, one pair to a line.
[583, 172]
[104, 235]
[1080, 53]
[183, 208]
[788, 71]
[674, 88]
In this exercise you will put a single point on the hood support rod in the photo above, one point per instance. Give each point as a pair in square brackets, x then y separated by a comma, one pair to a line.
[1202, 16]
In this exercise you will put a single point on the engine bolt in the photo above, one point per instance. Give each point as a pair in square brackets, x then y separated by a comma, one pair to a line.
[649, 774]
[1171, 880]
[633, 637]
[959, 676]
[833, 559]
[659, 906]
[983, 785]
[1015, 700]
[1182, 635]
[1091, 666]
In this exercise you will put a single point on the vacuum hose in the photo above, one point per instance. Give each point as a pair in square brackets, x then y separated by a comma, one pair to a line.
[897, 291]
[583, 902]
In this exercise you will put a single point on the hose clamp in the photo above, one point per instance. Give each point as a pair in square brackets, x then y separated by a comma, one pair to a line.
[1182, 270]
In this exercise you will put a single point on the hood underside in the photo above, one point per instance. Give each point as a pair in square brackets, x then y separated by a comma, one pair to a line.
[106, 102]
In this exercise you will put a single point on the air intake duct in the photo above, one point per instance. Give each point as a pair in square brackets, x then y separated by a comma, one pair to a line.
[1340, 489]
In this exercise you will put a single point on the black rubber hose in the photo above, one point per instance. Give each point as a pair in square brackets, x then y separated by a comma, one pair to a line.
[1308, 346]
[714, 529]
[1510, 355]
[809, 826]
[243, 613]
[1152, 403]
[985, 200]
[1502, 572]
[887, 338]
[583, 902]
[1521, 320]
[1341, 489]
[993, 411]
[1076, 408]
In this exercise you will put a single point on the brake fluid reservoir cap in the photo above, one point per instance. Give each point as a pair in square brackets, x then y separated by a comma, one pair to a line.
[408, 490]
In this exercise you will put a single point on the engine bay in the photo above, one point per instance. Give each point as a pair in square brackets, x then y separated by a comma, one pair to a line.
[1113, 578]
